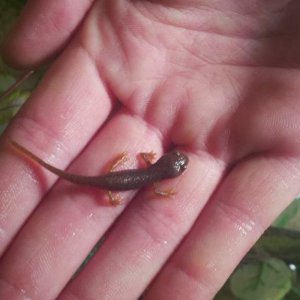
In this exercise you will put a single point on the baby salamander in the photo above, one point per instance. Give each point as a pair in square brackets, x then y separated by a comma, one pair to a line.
[170, 165]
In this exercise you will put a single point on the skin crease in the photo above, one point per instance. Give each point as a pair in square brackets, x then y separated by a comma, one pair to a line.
[219, 79]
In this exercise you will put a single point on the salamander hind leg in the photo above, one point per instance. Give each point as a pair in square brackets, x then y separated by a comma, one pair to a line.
[120, 159]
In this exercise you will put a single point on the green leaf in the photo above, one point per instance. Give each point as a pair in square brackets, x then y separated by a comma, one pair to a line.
[10, 106]
[6, 80]
[267, 280]
[290, 218]
[9, 11]
[294, 294]
[225, 293]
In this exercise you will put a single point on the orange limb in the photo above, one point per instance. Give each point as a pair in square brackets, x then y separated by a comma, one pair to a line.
[166, 194]
[114, 198]
[148, 157]
[118, 161]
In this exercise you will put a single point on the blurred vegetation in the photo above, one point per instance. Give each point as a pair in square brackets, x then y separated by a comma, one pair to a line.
[268, 272]
[9, 11]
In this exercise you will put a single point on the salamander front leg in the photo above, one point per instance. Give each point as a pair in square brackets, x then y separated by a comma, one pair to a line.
[166, 194]
[120, 159]
[114, 198]
[148, 157]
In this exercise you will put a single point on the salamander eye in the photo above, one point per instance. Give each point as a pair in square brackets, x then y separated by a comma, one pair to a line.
[184, 166]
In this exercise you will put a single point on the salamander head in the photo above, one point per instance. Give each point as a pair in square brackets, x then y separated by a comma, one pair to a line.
[172, 164]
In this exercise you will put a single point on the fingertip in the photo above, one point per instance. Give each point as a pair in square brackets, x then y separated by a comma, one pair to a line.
[42, 31]
[21, 55]
[27, 46]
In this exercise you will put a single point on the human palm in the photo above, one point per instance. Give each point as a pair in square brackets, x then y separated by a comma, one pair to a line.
[219, 81]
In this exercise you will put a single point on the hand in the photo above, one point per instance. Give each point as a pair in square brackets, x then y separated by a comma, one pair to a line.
[219, 80]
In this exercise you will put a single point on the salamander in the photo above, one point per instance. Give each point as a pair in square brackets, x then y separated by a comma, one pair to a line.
[170, 165]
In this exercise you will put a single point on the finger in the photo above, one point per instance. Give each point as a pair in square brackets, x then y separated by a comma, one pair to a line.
[42, 30]
[71, 219]
[145, 235]
[247, 202]
[64, 112]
